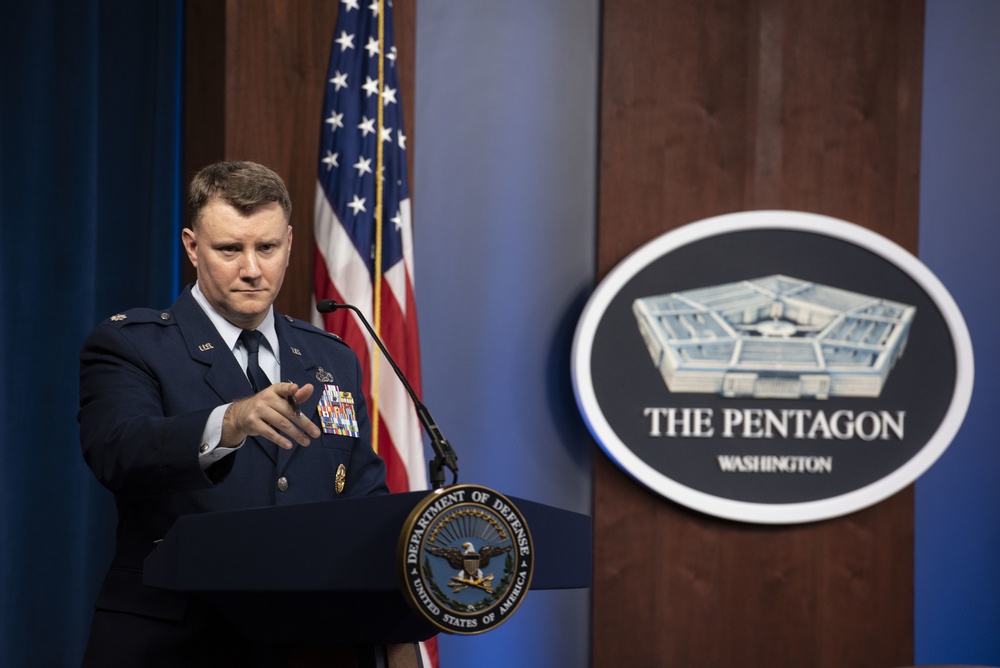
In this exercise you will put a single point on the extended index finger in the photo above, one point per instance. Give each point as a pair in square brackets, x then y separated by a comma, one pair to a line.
[304, 392]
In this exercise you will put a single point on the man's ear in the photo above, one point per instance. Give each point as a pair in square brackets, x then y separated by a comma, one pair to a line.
[190, 243]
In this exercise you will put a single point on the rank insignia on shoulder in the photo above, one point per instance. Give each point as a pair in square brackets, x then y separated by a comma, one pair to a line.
[118, 317]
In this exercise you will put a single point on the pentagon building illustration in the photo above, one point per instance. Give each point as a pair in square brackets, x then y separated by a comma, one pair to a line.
[774, 337]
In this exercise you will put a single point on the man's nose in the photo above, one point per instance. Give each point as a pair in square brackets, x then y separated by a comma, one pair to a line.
[250, 268]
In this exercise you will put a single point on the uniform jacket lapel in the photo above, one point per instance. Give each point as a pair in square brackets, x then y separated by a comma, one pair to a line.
[223, 373]
[295, 367]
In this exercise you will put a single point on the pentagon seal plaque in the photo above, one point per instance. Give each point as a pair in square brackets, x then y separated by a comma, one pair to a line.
[465, 559]
[773, 366]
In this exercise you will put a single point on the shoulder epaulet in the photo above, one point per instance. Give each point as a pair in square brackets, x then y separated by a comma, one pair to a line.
[140, 315]
[310, 328]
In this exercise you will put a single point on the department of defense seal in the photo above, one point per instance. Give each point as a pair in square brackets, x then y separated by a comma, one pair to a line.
[465, 559]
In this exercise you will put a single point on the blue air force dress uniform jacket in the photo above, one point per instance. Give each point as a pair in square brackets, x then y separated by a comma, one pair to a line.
[149, 380]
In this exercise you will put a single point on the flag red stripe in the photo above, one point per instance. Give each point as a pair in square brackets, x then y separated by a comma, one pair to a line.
[343, 321]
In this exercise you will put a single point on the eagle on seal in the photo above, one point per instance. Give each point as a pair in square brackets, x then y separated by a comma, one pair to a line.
[467, 559]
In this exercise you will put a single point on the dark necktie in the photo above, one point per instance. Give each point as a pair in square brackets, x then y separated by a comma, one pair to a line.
[251, 341]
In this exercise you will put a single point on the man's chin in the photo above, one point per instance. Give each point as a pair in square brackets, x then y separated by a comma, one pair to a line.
[250, 309]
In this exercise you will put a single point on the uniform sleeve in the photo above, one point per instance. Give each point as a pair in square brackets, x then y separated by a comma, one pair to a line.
[128, 442]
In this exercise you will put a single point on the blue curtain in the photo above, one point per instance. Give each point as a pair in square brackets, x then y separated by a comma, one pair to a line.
[89, 192]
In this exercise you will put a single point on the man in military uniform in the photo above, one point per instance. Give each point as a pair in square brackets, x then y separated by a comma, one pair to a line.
[210, 405]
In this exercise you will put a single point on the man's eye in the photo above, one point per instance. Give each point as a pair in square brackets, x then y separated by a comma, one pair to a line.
[267, 248]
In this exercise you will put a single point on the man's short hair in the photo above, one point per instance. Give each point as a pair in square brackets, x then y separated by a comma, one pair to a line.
[245, 186]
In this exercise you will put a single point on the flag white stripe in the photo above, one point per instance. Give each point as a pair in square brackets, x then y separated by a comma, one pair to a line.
[347, 269]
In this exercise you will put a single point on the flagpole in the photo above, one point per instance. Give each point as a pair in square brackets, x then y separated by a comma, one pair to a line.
[378, 218]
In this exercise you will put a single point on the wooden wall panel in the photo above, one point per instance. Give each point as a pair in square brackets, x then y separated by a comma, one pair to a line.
[715, 106]
[255, 72]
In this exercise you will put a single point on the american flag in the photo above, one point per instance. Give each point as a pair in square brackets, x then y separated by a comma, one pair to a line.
[348, 238]
[361, 262]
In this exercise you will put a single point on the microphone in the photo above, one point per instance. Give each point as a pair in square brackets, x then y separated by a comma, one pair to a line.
[444, 455]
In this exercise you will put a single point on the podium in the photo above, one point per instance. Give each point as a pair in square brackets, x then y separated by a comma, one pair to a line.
[326, 573]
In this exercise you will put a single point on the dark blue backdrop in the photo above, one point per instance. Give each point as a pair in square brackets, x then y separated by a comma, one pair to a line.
[89, 176]
[957, 550]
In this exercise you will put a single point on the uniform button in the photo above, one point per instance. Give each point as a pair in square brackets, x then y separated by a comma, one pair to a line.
[282, 484]
[164, 316]
[204, 448]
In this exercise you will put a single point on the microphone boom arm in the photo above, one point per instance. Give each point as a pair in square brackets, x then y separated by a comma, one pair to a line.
[444, 455]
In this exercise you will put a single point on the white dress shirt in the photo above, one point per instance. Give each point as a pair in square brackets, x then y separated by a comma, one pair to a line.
[267, 356]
